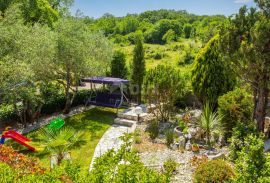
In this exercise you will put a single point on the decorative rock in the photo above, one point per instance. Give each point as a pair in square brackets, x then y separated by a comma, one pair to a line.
[177, 131]
[221, 141]
[182, 142]
[179, 116]
[217, 156]
[188, 146]
[192, 132]
[212, 152]
[174, 146]
[188, 136]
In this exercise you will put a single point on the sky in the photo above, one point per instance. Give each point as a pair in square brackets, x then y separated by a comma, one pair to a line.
[97, 8]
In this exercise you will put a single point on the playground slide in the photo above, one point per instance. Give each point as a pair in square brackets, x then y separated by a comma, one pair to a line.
[20, 139]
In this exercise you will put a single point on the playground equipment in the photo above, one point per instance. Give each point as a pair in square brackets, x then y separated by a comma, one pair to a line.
[56, 124]
[8, 133]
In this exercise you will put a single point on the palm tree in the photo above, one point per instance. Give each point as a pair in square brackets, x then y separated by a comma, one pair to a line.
[60, 141]
[209, 121]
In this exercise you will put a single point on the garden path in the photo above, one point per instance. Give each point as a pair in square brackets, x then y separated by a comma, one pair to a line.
[111, 140]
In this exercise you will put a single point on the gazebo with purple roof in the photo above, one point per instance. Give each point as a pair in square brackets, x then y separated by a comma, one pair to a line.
[106, 80]
[107, 99]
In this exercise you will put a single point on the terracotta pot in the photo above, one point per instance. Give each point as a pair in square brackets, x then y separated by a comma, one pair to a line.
[195, 148]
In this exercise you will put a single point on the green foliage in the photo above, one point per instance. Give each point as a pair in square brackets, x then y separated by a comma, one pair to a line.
[38, 11]
[60, 141]
[153, 129]
[211, 76]
[137, 136]
[21, 57]
[236, 106]
[164, 30]
[251, 160]
[209, 121]
[169, 36]
[182, 125]
[187, 30]
[245, 41]
[123, 166]
[162, 86]
[157, 56]
[118, 65]
[240, 132]
[169, 137]
[170, 166]
[79, 53]
[213, 171]
[7, 112]
[138, 67]
[7, 173]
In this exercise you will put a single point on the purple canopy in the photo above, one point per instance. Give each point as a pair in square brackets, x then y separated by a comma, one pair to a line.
[105, 80]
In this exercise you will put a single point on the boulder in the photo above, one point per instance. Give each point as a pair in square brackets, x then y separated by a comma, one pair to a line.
[188, 146]
[217, 156]
[182, 142]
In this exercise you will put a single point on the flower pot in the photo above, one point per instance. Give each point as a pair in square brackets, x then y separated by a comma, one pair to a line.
[195, 148]
[177, 131]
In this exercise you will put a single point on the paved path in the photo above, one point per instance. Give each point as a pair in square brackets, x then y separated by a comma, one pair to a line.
[110, 140]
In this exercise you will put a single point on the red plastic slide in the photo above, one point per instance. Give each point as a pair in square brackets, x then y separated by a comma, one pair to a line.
[19, 138]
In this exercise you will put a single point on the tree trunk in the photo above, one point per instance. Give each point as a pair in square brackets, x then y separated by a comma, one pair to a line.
[260, 109]
[68, 97]
[60, 158]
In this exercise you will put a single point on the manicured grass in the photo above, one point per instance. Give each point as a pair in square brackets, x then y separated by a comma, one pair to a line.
[94, 123]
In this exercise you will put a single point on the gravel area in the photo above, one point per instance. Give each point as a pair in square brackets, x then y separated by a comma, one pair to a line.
[154, 154]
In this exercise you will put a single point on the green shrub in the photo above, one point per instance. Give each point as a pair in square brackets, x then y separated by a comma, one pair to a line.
[235, 106]
[7, 112]
[56, 102]
[81, 97]
[153, 129]
[251, 160]
[182, 125]
[240, 132]
[213, 171]
[157, 56]
[137, 136]
[7, 174]
[53, 104]
[128, 166]
[169, 137]
[170, 166]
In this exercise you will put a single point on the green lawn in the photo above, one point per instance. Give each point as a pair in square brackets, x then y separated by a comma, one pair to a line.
[94, 123]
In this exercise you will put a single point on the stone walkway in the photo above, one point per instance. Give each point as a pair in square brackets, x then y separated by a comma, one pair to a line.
[111, 140]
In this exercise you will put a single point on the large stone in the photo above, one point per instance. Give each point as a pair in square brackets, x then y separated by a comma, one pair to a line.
[182, 142]
[217, 156]
[188, 146]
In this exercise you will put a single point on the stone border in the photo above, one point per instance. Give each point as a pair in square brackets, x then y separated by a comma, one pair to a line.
[43, 121]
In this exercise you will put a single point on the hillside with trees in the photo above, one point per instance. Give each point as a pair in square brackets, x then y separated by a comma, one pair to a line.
[181, 97]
